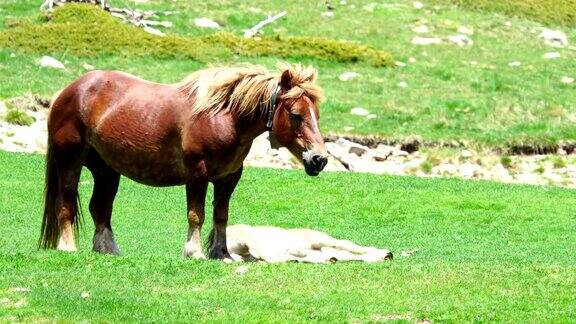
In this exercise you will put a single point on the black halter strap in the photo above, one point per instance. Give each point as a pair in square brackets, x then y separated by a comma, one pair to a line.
[272, 108]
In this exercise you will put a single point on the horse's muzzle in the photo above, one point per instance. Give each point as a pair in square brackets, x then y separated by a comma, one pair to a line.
[314, 163]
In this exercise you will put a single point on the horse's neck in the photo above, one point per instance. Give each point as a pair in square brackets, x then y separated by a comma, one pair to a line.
[250, 128]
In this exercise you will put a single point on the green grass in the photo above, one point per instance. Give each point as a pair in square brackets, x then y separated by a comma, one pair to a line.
[483, 105]
[488, 252]
[547, 11]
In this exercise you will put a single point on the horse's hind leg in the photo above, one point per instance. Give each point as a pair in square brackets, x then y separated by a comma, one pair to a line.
[106, 182]
[69, 169]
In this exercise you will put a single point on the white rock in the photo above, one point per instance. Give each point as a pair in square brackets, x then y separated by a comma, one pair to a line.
[508, 24]
[422, 29]
[426, 41]
[334, 166]
[206, 23]
[552, 177]
[153, 31]
[327, 14]
[514, 64]
[347, 76]
[403, 84]
[417, 5]
[412, 60]
[466, 30]
[473, 62]
[445, 169]
[461, 40]
[500, 173]
[529, 178]
[88, 67]
[371, 116]
[359, 111]
[400, 153]
[567, 80]
[343, 2]
[400, 64]
[50, 62]
[469, 170]
[551, 55]
[554, 38]
[85, 295]
[466, 154]
[12, 55]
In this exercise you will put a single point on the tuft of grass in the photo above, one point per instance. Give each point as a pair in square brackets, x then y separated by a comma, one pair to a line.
[87, 31]
[506, 161]
[18, 117]
[562, 12]
[558, 162]
[427, 166]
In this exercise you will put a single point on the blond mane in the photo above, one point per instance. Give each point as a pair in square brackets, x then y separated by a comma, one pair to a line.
[245, 90]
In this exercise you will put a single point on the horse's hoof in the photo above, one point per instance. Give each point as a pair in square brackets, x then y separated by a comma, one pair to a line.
[219, 254]
[389, 256]
[198, 255]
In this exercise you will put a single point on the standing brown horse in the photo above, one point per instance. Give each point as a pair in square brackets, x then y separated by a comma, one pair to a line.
[191, 133]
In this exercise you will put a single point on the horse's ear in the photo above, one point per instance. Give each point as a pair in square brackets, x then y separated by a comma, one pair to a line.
[286, 80]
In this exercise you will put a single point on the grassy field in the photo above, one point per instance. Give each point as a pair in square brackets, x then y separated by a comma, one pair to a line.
[488, 252]
[468, 94]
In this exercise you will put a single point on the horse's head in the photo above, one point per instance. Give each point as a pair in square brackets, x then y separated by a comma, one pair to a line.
[295, 123]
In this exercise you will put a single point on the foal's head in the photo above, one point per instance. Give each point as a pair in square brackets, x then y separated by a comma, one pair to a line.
[295, 123]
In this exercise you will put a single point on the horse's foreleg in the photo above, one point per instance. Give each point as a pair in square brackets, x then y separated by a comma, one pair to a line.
[223, 189]
[106, 182]
[195, 197]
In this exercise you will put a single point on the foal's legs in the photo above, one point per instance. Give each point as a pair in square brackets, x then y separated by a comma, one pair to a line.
[106, 182]
[223, 189]
[195, 197]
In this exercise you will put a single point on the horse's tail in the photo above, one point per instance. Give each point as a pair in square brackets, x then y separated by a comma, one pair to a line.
[49, 230]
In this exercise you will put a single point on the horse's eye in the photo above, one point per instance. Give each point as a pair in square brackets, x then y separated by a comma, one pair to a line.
[295, 117]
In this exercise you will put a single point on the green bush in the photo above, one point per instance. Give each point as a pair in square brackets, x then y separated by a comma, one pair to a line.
[562, 12]
[87, 31]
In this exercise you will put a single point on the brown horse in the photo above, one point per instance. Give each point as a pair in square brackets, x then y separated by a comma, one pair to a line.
[191, 133]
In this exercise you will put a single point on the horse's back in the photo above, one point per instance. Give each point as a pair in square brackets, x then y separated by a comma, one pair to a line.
[131, 123]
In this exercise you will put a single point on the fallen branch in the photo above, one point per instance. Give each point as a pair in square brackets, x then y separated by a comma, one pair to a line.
[254, 30]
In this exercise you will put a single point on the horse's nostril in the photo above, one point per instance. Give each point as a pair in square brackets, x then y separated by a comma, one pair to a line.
[319, 162]
[316, 159]
[324, 161]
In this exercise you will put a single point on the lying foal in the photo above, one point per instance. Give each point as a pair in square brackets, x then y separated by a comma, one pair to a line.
[275, 244]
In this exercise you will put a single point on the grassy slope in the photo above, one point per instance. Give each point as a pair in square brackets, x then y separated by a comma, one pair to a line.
[488, 252]
[489, 104]
[562, 12]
